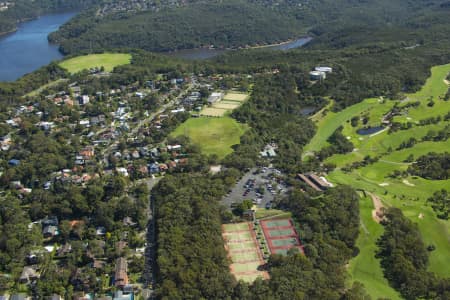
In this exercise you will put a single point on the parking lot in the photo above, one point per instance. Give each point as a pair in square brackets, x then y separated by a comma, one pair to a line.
[259, 185]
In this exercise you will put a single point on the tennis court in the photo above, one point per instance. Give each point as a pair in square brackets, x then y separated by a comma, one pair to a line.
[278, 223]
[235, 227]
[243, 251]
[241, 246]
[281, 235]
[246, 256]
[281, 232]
[285, 242]
[238, 236]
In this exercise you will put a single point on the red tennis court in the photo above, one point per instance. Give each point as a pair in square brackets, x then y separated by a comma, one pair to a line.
[280, 235]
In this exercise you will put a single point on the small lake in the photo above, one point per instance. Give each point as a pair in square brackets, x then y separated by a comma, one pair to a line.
[205, 53]
[308, 110]
[28, 49]
[369, 130]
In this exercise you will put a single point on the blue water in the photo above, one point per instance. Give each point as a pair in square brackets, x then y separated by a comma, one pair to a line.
[369, 130]
[204, 53]
[27, 49]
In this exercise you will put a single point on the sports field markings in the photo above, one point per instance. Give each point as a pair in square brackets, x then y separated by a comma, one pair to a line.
[280, 235]
[243, 251]
[230, 102]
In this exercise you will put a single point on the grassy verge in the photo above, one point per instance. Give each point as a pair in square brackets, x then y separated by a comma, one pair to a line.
[272, 213]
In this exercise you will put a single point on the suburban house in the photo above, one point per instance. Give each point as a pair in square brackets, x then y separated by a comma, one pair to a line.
[50, 231]
[121, 276]
[28, 275]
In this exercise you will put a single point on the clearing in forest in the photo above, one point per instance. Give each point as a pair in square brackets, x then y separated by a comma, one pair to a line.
[107, 60]
[212, 135]
[242, 247]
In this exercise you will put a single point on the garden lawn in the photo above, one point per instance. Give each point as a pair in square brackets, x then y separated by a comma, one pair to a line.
[365, 268]
[212, 135]
[107, 60]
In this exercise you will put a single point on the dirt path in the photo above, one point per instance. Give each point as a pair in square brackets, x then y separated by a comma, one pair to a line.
[377, 213]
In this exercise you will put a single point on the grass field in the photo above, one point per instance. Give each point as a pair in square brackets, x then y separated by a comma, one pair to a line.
[409, 193]
[365, 267]
[331, 121]
[213, 135]
[107, 60]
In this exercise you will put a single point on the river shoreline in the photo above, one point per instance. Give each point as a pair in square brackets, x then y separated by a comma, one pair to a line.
[27, 48]
[208, 52]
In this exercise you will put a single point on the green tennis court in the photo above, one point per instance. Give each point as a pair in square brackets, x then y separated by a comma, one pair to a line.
[247, 267]
[235, 227]
[281, 251]
[285, 242]
[245, 256]
[233, 237]
[241, 246]
[281, 232]
[277, 223]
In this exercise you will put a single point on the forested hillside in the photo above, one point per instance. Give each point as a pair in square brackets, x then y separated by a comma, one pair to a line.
[237, 23]
[20, 10]
[224, 24]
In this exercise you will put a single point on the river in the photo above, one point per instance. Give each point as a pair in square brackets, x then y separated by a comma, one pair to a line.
[27, 49]
[205, 53]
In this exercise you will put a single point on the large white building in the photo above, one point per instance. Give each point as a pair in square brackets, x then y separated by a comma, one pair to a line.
[317, 75]
[324, 69]
[215, 97]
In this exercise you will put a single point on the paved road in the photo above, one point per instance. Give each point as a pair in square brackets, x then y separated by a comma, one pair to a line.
[150, 250]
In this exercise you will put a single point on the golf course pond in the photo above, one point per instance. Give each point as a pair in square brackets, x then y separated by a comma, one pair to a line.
[369, 130]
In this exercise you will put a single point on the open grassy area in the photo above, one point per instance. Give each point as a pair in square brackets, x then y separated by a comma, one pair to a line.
[365, 268]
[107, 60]
[327, 124]
[408, 193]
[213, 135]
